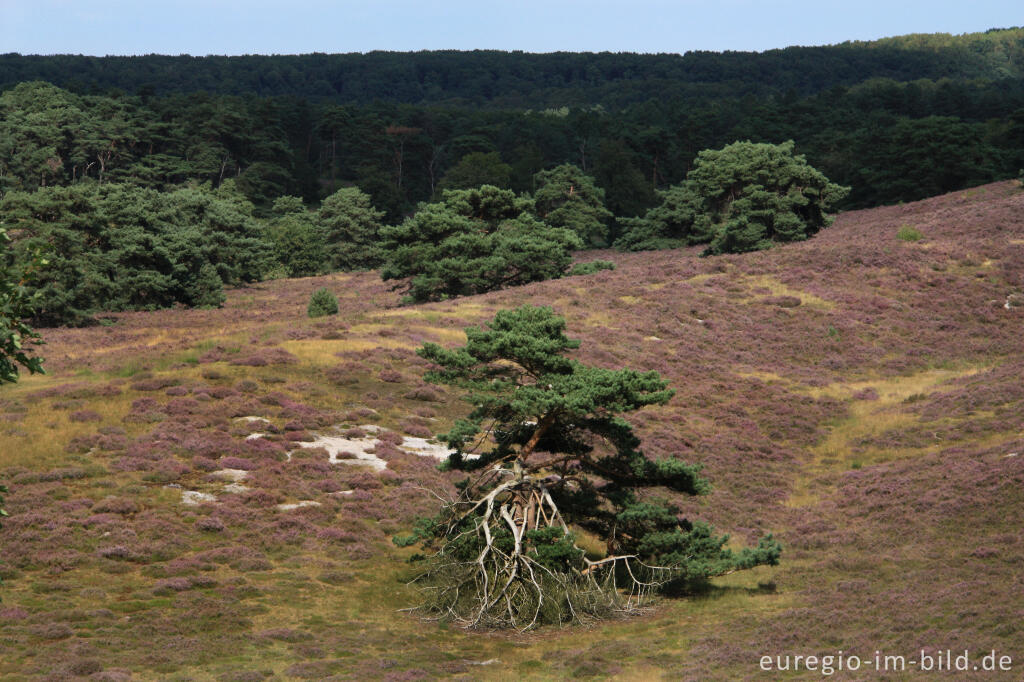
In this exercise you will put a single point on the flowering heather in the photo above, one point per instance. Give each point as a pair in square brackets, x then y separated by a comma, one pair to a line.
[857, 394]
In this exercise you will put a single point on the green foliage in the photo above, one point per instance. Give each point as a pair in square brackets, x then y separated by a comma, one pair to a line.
[590, 267]
[287, 205]
[552, 81]
[351, 228]
[121, 247]
[894, 122]
[545, 430]
[665, 226]
[49, 136]
[476, 169]
[322, 303]
[915, 158]
[203, 289]
[567, 197]
[17, 339]
[474, 241]
[744, 197]
[297, 239]
[3, 512]
[909, 233]
[897, 120]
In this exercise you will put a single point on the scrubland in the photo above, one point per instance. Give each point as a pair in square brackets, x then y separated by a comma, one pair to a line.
[859, 395]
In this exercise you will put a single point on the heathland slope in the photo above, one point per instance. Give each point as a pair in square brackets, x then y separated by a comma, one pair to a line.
[858, 394]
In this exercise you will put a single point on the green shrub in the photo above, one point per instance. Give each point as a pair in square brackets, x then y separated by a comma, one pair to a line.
[590, 268]
[322, 303]
[909, 234]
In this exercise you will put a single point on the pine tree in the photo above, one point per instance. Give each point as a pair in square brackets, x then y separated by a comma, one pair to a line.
[351, 228]
[17, 339]
[567, 197]
[550, 457]
[474, 241]
[743, 197]
[322, 303]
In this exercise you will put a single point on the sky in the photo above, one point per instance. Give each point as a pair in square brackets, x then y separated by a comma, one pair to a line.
[230, 27]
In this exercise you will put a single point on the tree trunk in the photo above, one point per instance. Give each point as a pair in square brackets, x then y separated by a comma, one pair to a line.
[542, 426]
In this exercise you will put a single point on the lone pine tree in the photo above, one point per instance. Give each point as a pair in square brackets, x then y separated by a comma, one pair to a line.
[550, 459]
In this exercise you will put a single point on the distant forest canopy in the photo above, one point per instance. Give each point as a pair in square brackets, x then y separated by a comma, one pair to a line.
[519, 80]
[897, 119]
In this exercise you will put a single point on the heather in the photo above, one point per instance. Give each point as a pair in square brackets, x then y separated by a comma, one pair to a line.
[858, 395]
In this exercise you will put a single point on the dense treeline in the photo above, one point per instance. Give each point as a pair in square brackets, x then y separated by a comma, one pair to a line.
[522, 80]
[316, 153]
[889, 141]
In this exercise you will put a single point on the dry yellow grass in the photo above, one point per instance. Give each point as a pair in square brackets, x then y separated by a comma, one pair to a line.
[366, 336]
[599, 319]
[443, 334]
[898, 388]
[323, 352]
[30, 441]
[767, 377]
[434, 311]
[777, 288]
[868, 419]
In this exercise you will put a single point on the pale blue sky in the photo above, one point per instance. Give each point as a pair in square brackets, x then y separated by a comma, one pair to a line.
[200, 27]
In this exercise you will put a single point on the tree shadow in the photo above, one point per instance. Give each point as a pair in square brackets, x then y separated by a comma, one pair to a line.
[707, 591]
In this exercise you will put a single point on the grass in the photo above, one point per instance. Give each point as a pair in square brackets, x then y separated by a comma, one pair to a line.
[777, 288]
[867, 420]
[908, 233]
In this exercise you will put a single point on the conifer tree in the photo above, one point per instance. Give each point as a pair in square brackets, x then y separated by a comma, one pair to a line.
[475, 240]
[17, 339]
[351, 229]
[550, 457]
[743, 197]
[567, 197]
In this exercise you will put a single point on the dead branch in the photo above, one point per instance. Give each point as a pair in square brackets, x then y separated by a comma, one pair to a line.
[506, 584]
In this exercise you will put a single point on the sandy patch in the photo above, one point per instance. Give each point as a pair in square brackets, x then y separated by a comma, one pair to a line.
[289, 506]
[194, 497]
[233, 475]
[342, 450]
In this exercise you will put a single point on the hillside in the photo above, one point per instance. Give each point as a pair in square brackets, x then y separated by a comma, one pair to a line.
[857, 394]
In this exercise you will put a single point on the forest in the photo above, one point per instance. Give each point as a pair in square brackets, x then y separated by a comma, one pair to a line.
[245, 150]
